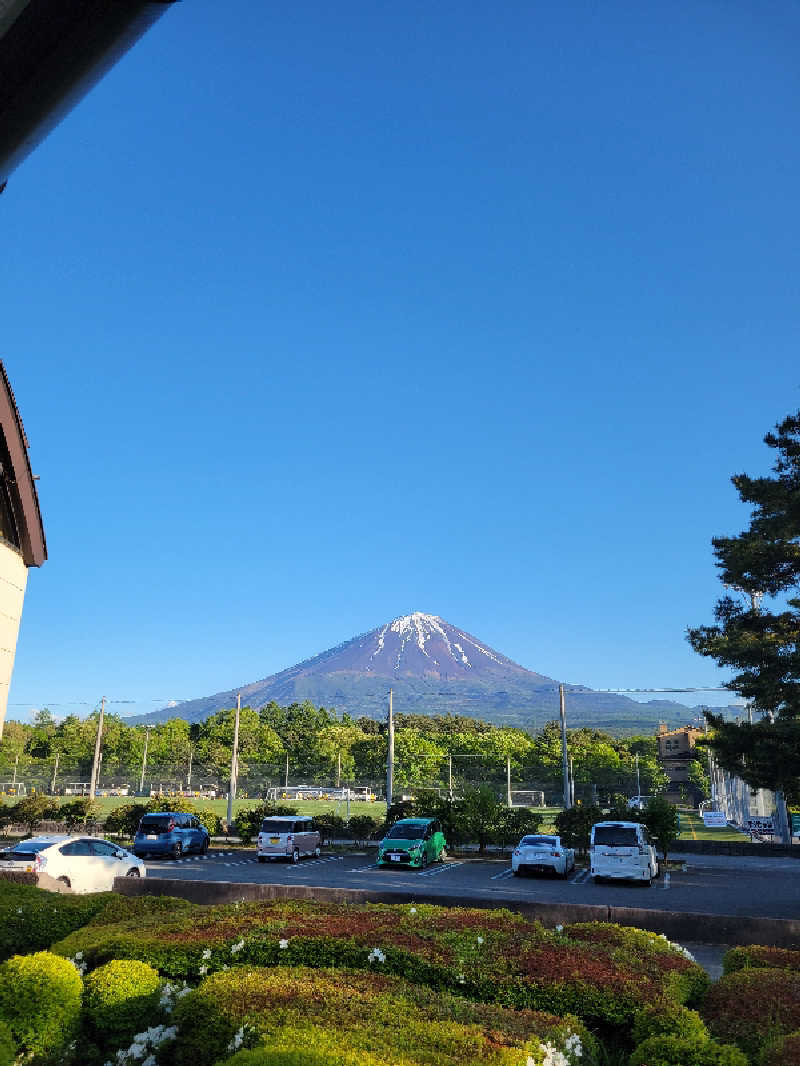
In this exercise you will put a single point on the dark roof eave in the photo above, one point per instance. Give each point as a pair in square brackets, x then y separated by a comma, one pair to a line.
[23, 487]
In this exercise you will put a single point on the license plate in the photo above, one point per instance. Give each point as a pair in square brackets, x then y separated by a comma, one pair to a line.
[395, 858]
[274, 840]
[28, 869]
[152, 836]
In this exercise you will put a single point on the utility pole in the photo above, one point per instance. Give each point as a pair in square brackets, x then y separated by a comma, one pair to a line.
[144, 757]
[571, 783]
[450, 776]
[390, 756]
[508, 780]
[53, 782]
[638, 783]
[564, 756]
[14, 781]
[234, 760]
[97, 742]
[338, 769]
[189, 773]
[286, 780]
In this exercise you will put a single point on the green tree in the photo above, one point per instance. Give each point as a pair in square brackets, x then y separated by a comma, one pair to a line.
[762, 645]
[32, 810]
[574, 825]
[662, 822]
[478, 811]
[512, 823]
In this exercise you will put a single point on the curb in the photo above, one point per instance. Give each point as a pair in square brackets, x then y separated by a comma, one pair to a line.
[723, 929]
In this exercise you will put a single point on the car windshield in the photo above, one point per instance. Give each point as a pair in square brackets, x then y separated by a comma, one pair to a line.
[155, 824]
[405, 832]
[27, 847]
[272, 826]
[532, 842]
[615, 836]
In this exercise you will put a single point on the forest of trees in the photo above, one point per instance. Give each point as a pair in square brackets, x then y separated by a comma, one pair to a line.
[322, 748]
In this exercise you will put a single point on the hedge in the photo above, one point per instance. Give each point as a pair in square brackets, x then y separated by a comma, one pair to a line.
[8, 1049]
[40, 1001]
[760, 956]
[678, 1051]
[337, 1016]
[668, 1019]
[32, 919]
[784, 1051]
[120, 999]
[600, 973]
[753, 1008]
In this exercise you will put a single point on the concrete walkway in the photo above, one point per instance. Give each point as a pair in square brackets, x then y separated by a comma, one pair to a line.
[735, 862]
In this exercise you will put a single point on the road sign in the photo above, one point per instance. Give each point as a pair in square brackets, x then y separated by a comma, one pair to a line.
[714, 819]
[761, 826]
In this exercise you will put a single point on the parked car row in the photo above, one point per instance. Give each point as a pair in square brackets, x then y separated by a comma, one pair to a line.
[84, 864]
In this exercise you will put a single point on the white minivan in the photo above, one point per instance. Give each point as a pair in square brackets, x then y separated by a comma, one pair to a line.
[622, 850]
[287, 838]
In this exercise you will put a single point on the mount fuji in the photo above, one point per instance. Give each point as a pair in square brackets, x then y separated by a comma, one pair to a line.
[432, 667]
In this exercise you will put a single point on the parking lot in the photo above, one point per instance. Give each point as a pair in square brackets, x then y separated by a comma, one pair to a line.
[769, 890]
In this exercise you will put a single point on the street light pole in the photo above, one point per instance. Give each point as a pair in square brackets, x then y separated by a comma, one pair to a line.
[390, 756]
[144, 758]
[234, 760]
[97, 742]
[564, 755]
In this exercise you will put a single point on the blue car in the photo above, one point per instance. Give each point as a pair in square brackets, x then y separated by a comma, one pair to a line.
[170, 833]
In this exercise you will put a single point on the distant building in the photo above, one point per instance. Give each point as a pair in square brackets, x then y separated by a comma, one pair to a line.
[22, 542]
[675, 753]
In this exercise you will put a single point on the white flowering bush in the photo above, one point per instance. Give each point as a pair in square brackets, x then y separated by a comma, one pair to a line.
[142, 1049]
[376, 955]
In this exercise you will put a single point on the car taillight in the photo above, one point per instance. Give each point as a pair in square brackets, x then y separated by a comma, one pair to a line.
[517, 851]
[40, 862]
[288, 837]
[556, 854]
[171, 827]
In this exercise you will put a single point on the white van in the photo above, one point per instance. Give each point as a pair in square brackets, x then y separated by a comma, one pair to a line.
[622, 850]
[287, 838]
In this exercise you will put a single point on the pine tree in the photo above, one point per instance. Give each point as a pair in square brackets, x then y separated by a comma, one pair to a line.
[762, 641]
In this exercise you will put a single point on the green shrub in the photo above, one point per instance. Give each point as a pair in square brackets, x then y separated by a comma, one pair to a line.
[120, 999]
[8, 1050]
[675, 1051]
[248, 822]
[329, 825]
[299, 1057]
[133, 908]
[363, 827]
[32, 919]
[385, 1020]
[760, 956]
[602, 974]
[668, 1019]
[785, 1051]
[40, 1001]
[753, 1007]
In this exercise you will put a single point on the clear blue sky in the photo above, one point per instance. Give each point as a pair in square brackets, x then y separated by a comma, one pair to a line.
[318, 315]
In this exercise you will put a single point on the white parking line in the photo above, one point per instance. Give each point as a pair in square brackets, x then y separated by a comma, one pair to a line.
[580, 877]
[361, 869]
[437, 870]
[316, 862]
[502, 875]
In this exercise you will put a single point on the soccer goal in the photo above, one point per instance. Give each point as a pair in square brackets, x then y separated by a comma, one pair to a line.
[527, 798]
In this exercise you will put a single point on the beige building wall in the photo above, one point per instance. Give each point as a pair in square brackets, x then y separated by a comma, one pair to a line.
[13, 578]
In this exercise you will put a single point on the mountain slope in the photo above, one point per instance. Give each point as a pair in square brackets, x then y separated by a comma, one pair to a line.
[433, 668]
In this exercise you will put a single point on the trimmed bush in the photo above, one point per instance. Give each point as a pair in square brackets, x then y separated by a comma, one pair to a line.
[40, 1001]
[668, 1019]
[602, 974]
[674, 1051]
[8, 1050]
[306, 1057]
[120, 999]
[247, 823]
[754, 1007]
[32, 919]
[782, 1052]
[759, 956]
[342, 1019]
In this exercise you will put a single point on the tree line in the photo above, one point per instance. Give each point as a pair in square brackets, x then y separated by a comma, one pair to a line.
[323, 748]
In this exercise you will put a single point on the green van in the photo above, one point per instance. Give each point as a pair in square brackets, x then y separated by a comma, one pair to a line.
[413, 842]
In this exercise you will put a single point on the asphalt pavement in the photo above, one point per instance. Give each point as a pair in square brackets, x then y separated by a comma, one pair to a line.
[764, 888]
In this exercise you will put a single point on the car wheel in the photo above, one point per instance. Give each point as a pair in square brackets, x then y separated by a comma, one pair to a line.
[295, 855]
[65, 881]
[516, 873]
[424, 860]
[262, 858]
[133, 872]
[649, 879]
[177, 850]
[204, 847]
[317, 851]
[443, 855]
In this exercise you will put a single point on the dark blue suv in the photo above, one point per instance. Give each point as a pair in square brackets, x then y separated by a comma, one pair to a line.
[170, 833]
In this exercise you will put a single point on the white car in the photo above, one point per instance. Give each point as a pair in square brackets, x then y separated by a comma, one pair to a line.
[84, 864]
[542, 854]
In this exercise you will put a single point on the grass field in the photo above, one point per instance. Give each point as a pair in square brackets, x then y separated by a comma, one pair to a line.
[692, 828]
